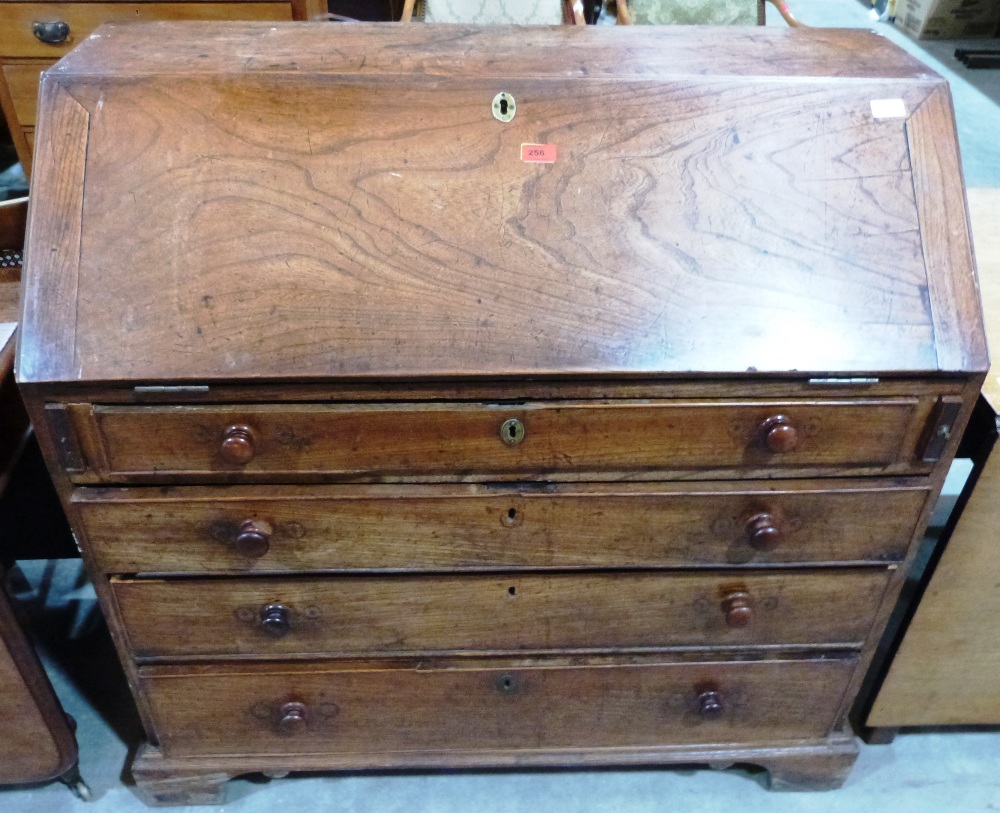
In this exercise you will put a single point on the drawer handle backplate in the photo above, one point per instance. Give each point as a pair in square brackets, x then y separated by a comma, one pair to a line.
[51, 33]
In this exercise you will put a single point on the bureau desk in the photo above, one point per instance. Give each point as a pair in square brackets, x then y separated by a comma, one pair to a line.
[429, 396]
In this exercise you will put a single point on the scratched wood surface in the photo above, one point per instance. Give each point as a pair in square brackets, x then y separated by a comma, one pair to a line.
[390, 228]
[460, 527]
[373, 709]
[554, 613]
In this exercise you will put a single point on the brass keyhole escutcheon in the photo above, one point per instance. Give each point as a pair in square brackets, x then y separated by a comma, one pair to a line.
[504, 107]
[512, 431]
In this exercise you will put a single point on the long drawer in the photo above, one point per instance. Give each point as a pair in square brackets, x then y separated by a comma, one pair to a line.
[18, 38]
[479, 441]
[273, 529]
[403, 615]
[421, 706]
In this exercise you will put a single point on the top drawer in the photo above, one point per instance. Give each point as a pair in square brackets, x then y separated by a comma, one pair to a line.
[546, 440]
[17, 21]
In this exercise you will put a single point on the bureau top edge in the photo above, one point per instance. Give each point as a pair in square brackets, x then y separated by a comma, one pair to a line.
[467, 51]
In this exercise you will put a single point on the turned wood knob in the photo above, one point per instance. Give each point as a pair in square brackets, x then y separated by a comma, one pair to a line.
[292, 718]
[253, 539]
[738, 609]
[274, 620]
[237, 445]
[51, 33]
[779, 433]
[710, 704]
[762, 532]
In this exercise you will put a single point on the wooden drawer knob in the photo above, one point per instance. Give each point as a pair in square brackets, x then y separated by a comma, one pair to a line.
[237, 445]
[738, 609]
[275, 619]
[51, 33]
[710, 704]
[292, 718]
[779, 433]
[253, 540]
[762, 532]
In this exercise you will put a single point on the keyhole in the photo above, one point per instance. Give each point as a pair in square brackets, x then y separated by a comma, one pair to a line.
[507, 683]
[512, 431]
[504, 107]
[510, 517]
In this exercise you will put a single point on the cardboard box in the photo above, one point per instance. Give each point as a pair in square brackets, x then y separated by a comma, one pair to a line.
[948, 19]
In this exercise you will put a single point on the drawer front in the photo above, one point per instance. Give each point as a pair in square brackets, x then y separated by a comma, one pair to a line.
[378, 441]
[401, 615]
[427, 706]
[22, 82]
[277, 529]
[17, 20]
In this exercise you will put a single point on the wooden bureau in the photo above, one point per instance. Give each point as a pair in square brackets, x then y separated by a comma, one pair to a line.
[388, 446]
[34, 35]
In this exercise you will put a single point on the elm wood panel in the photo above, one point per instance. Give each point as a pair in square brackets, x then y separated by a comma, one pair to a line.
[456, 527]
[397, 261]
[22, 82]
[380, 440]
[946, 234]
[408, 615]
[945, 671]
[17, 38]
[34, 731]
[424, 705]
[640, 52]
[60, 220]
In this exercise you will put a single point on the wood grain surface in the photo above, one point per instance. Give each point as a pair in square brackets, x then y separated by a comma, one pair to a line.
[194, 530]
[360, 440]
[558, 613]
[377, 708]
[648, 52]
[60, 221]
[746, 224]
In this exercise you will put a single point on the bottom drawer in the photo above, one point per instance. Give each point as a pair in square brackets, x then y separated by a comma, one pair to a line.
[436, 706]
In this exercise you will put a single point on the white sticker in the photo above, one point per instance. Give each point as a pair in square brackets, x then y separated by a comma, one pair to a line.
[888, 109]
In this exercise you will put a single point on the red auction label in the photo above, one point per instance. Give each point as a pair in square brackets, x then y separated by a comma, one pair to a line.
[538, 153]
